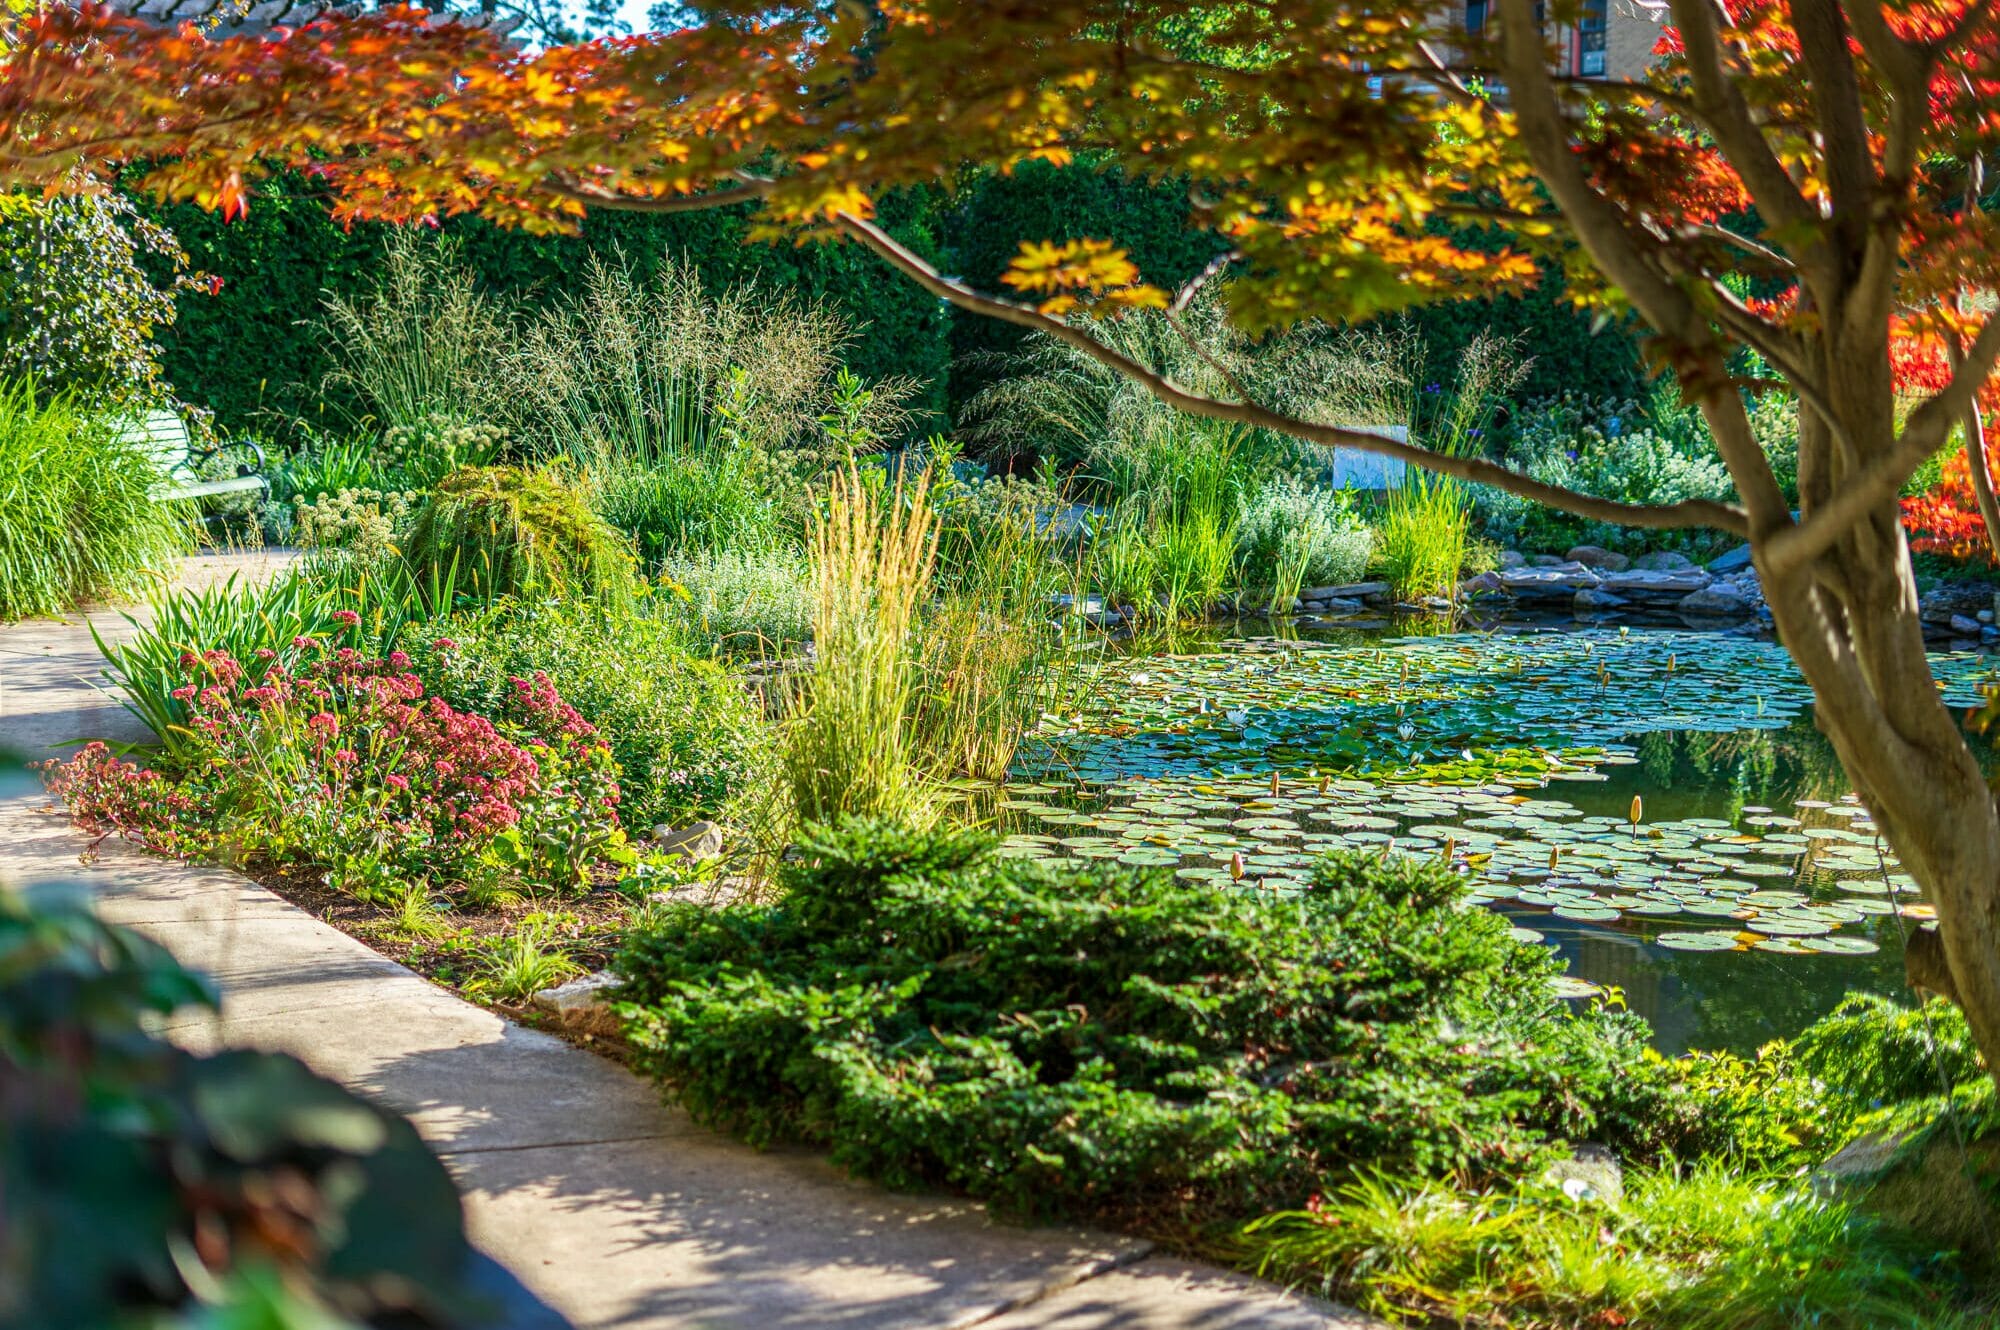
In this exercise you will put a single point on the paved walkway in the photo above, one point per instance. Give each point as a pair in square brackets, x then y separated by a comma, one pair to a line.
[614, 1208]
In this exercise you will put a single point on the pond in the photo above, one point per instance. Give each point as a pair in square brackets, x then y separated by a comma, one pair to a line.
[1655, 805]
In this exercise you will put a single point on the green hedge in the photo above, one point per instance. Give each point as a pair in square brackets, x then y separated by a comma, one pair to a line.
[242, 352]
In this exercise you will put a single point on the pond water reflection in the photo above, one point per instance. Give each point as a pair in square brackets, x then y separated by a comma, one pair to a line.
[1654, 805]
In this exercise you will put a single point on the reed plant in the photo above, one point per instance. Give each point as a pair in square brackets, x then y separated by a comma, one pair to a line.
[78, 516]
[1424, 535]
[1170, 546]
[989, 647]
[849, 746]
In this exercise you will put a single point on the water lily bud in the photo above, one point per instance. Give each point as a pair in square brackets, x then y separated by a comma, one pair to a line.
[1236, 865]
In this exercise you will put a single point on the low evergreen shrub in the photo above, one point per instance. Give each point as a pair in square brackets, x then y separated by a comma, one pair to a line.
[526, 534]
[1091, 1042]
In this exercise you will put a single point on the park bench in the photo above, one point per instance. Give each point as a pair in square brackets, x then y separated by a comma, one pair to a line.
[164, 434]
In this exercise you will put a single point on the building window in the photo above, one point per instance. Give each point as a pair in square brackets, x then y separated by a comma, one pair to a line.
[1590, 33]
[1475, 17]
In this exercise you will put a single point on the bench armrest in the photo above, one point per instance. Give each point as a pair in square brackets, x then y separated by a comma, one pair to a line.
[256, 449]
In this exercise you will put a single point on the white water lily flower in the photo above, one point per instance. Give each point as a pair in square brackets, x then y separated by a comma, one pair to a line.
[1142, 679]
[1236, 715]
[1406, 731]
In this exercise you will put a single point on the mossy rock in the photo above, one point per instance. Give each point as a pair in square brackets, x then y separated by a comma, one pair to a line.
[510, 532]
[1923, 1180]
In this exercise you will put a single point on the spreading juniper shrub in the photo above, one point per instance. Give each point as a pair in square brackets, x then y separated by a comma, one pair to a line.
[1091, 1042]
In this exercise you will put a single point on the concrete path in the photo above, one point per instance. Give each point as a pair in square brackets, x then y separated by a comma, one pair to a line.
[613, 1207]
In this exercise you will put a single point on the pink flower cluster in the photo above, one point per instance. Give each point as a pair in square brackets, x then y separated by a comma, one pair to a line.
[349, 752]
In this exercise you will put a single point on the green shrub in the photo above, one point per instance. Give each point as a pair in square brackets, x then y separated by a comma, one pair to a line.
[1293, 534]
[78, 310]
[1093, 1042]
[1657, 453]
[741, 603]
[77, 512]
[688, 738]
[522, 533]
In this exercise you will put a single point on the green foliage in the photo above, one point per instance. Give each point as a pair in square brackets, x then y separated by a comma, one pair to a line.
[323, 466]
[122, 1153]
[523, 963]
[77, 513]
[1423, 535]
[1654, 454]
[1709, 1249]
[510, 531]
[688, 738]
[239, 352]
[78, 310]
[1294, 534]
[740, 603]
[1098, 1043]
[731, 498]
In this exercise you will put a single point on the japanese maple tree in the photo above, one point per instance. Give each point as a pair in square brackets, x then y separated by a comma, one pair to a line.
[1355, 158]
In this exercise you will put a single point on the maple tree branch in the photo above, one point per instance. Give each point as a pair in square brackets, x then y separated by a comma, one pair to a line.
[1598, 225]
[577, 192]
[1685, 514]
[1186, 295]
[1727, 116]
[1981, 472]
[1843, 129]
[1744, 243]
[1923, 434]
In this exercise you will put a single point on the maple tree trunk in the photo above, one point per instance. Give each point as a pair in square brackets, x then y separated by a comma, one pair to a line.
[1850, 620]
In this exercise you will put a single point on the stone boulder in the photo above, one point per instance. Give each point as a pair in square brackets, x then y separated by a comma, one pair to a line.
[1374, 593]
[1942, 603]
[1481, 584]
[1548, 582]
[1596, 556]
[1512, 558]
[1732, 561]
[1656, 586]
[1920, 1180]
[1714, 603]
[581, 1005]
[1596, 600]
[694, 842]
[1663, 561]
